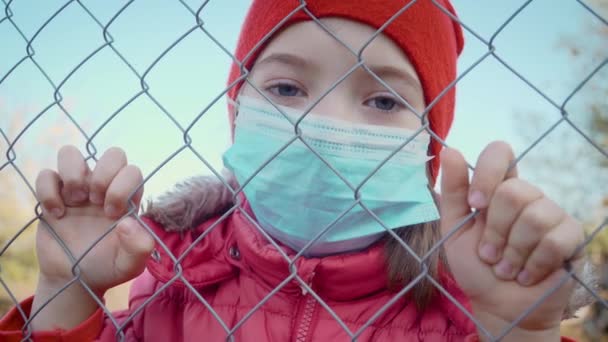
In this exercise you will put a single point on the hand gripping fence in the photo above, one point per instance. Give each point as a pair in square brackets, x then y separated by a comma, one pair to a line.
[57, 102]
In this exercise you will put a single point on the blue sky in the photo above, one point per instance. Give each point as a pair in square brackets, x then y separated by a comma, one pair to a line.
[492, 103]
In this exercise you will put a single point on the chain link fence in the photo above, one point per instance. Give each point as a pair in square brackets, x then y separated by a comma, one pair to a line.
[12, 153]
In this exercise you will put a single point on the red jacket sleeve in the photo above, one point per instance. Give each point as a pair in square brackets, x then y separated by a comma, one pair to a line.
[12, 324]
[98, 327]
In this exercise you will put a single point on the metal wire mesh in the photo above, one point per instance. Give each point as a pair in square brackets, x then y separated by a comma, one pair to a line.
[57, 102]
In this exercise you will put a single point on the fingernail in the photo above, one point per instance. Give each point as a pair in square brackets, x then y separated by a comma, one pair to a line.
[57, 212]
[111, 210]
[96, 198]
[524, 278]
[79, 195]
[504, 269]
[488, 252]
[477, 199]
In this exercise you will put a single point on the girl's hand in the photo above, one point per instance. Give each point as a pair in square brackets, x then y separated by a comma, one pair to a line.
[513, 251]
[81, 205]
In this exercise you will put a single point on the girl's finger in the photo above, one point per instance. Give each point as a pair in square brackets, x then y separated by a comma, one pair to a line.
[534, 222]
[128, 179]
[108, 166]
[136, 245]
[454, 188]
[47, 192]
[510, 198]
[490, 171]
[73, 172]
[557, 246]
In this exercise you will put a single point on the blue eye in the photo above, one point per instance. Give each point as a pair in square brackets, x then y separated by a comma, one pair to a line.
[383, 103]
[285, 89]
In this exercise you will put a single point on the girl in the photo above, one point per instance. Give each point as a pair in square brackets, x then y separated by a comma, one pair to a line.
[328, 230]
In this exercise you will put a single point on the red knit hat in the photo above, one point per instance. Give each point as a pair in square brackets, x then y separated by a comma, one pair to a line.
[429, 37]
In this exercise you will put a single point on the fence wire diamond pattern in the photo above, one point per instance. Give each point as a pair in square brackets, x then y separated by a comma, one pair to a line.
[142, 74]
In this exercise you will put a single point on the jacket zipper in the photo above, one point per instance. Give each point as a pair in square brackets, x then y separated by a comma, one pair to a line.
[305, 314]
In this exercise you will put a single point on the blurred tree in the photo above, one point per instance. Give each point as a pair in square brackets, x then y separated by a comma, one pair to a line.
[592, 51]
[18, 266]
[575, 184]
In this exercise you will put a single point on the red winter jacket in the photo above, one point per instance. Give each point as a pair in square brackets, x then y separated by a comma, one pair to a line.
[245, 280]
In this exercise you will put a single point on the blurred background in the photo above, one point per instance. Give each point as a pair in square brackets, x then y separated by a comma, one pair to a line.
[61, 82]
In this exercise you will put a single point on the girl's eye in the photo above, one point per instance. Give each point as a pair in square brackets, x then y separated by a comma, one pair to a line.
[285, 89]
[383, 103]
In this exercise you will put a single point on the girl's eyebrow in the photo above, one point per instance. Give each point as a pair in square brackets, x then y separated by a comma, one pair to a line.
[286, 59]
[394, 73]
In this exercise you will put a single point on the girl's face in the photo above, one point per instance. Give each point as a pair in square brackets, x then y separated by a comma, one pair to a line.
[301, 63]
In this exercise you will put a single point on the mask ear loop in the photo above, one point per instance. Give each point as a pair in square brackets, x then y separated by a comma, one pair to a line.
[235, 106]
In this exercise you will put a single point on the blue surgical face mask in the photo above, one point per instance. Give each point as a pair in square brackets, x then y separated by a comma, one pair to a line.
[295, 196]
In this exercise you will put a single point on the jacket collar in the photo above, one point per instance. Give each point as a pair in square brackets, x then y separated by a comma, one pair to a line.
[339, 277]
[232, 243]
[193, 208]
